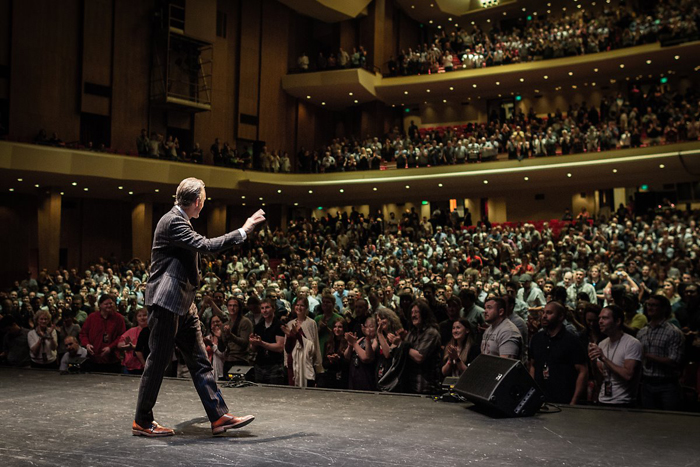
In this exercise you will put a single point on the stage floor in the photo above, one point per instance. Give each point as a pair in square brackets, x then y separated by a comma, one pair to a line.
[85, 420]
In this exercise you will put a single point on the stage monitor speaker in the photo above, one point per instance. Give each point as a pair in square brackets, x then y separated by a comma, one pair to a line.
[500, 385]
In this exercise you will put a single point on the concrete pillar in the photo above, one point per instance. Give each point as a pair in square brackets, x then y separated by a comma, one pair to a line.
[474, 206]
[619, 197]
[49, 226]
[142, 229]
[497, 210]
[216, 219]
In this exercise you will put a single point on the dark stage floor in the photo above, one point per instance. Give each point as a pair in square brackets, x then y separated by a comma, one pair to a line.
[85, 420]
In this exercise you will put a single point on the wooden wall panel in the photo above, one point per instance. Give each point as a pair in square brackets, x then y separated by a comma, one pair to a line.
[200, 19]
[45, 80]
[97, 45]
[18, 225]
[220, 122]
[248, 88]
[5, 29]
[130, 79]
[275, 128]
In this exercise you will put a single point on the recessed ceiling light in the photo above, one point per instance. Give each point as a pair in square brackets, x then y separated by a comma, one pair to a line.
[569, 175]
[405, 93]
[622, 65]
[661, 166]
[341, 190]
[431, 21]
[595, 70]
[261, 198]
[20, 179]
[449, 19]
[263, 204]
[486, 182]
[677, 57]
[427, 90]
[208, 199]
[452, 88]
[349, 94]
[296, 204]
[440, 185]
[279, 191]
[74, 183]
[444, 101]
[12, 189]
[614, 171]
[157, 190]
[242, 204]
[311, 192]
[356, 101]
[120, 187]
[522, 80]
[648, 62]
[474, 85]
[526, 178]
[498, 83]
[546, 77]
[323, 103]
[85, 189]
[374, 189]
[242, 196]
[407, 187]
[62, 193]
[308, 97]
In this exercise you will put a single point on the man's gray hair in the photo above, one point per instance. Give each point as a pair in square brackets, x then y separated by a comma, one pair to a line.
[188, 191]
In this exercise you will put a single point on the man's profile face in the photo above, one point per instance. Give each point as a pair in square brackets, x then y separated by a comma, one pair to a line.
[199, 204]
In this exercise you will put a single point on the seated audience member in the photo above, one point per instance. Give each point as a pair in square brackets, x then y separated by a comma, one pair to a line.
[302, 352]
[501, 338]
[127, 344]
[43, 341]
[423, 373]
[360, 352]
[617, 360]
[100, 335]
[662, 345]
[15, 345]
[268, 342]
[213, 340]
[461, 350]
[335, 365]
[390, 361]
[74, 356]
[558, 359]
[236, 335]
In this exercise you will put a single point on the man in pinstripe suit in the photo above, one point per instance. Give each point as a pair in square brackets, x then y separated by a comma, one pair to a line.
[172, 315]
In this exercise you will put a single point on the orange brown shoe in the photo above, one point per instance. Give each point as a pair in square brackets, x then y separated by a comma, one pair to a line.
[152, 431]
[229, 421]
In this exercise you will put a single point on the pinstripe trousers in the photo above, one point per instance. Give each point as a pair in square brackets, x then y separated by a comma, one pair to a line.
[167, 330]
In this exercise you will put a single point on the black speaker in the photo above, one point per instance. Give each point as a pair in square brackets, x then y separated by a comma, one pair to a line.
[500, 385]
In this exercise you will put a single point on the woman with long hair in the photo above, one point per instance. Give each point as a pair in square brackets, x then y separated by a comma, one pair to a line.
[461, 350]
[361, 352]
[423, 373]
[334, 362]
[302, 350]
[236, 335]
[127, 344]
[390, 363]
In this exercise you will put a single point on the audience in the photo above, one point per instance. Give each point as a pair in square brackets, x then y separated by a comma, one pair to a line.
[379, 287]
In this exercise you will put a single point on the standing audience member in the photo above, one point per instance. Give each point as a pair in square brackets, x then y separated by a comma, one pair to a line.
[301, 348]
[617, 360]
[423, 373]
[501, 338]
[268, 342]
[43, 341]
[360, 352]
[662, 345]
[15, 345]
[100, 335]
[558, 359]
[236, 335]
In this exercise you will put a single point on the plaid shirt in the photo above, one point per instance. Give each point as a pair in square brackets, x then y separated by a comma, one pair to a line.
[664, 340]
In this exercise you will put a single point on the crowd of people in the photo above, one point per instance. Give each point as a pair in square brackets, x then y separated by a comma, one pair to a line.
[334, 61]
[603, 310]
[661, 115]
[543, 37]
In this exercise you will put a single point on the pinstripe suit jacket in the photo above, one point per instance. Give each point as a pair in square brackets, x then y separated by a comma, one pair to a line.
[174, 271]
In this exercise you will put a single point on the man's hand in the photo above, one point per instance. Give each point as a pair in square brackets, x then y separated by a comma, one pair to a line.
[253, 221]
[90, 349]
[105, 351]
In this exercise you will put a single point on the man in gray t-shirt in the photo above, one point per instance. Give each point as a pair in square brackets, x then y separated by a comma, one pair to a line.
[502, 337]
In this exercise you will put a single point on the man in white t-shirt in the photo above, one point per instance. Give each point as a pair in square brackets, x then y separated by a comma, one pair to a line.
[617, 358]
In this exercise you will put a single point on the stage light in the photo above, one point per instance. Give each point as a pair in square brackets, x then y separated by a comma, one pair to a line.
[20, 179]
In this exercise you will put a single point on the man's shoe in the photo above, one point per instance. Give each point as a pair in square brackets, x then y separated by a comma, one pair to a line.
[152, 431]
[229, 421]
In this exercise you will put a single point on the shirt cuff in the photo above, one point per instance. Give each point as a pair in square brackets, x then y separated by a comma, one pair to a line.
[243, 234]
